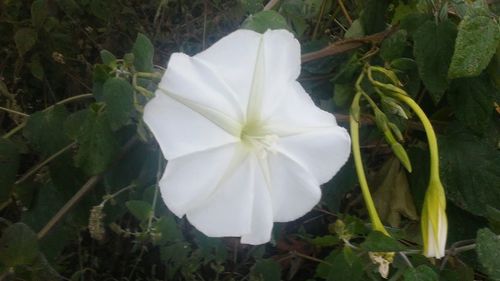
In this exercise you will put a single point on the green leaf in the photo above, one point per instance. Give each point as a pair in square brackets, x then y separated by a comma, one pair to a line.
[379, 242]
[43, 130]
[100, 9]
[251, 6]
[421, 273]
[412, 21]
[18, 245]
[334, 191]
[262, 21]
[472, 100]
[477, 41]
[433, 48]
[355, 30]
[470, 172]
[9, 163]
[70, 7]
[25, 39]
[488, 251]
[119, 98]
[143, 51]
[98, 146]
[325, 241]
[342, 94]
[107, 57]
[266, 270]
[39, 13]
[167, 227]
[402, 11]
[176, 256]
[346, 266]
[141, 210]
[312, 8]
[373, 16]
[100, 75]
[36, 67]
[393, 47]
[493, 216]
[73, 124]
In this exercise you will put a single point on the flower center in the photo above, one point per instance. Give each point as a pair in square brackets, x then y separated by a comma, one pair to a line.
[254, 136]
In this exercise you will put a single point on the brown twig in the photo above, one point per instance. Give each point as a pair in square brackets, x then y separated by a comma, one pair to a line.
[344, 11]
[79, 195]
[270, 5]
[43, 163]
[347, 45]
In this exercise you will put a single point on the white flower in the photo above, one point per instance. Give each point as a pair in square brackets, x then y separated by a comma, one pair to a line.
[245, 144]
[434, 222]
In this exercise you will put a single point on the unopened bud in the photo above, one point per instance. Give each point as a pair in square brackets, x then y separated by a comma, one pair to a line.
[434, 223]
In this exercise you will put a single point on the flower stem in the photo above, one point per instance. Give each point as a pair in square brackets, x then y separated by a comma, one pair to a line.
[429, 131]
[356, 151]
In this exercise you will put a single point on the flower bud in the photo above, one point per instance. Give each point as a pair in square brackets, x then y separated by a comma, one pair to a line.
[434, 223]
[401, 154]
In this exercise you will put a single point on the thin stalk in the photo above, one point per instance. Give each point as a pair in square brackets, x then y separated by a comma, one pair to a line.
[14, 111]
[356, 151]
[44, 162]
[318, 22]
[22, 125]
[431, 136]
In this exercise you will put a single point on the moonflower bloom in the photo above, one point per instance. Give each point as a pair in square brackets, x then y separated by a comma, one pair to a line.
[245, 144]
[434, 222]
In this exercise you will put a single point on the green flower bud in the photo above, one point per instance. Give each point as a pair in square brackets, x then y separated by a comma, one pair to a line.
[401, 154]
[434, 223]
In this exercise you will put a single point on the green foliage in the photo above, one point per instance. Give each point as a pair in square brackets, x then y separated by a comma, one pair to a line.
[373, 16]
[471, 99]
[143, 53]
[39, 13]
[345, 266]
[43, 130]
[266, 270]
[25, 39]
[393, 47]
[477, 40]
[379, 242]
[18, 245]
[98, 144]
[433, 49]
[9, 163]
[140, 209]
[470, 171]
[118, 95]
[264, 20]
[421, 273]
[488, 251]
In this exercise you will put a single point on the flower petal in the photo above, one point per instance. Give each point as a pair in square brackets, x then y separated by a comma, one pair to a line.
[277, 65]
[262, 213]
[296, 113]
[228, 209]
[265, 64]
[234, 57]
[322, 151]
[181, 190]
[179, 130]
[193, 79]
[294, 191]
